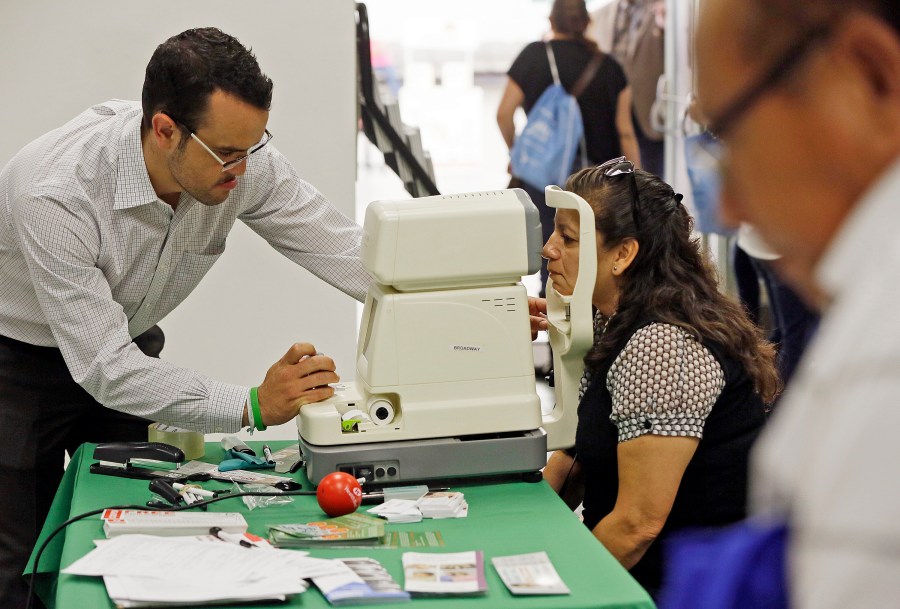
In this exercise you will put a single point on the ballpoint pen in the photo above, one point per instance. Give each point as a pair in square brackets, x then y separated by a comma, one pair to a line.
[190, 498]
[231, 538]
[267, 452]
[193, 488]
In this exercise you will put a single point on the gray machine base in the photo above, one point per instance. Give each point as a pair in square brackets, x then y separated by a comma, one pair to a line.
[388, 463]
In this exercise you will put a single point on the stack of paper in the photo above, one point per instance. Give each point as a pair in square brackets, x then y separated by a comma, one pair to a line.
[145, 570]
[459, 573]
[443, 504]
[398, 510]
[117, 522]
[352, 529]
[364, 581]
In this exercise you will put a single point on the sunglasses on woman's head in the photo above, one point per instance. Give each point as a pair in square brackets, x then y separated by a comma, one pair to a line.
[622, 166]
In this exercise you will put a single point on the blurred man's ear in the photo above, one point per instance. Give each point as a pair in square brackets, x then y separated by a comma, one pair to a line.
[873, 48]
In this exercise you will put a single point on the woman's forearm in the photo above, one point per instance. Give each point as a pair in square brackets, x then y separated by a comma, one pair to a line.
[626, 538]
[507, 129]
[564, 476]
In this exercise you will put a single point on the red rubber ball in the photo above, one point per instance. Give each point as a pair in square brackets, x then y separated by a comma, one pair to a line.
[338, 494]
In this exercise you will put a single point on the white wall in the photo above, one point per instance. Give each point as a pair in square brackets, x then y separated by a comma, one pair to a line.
[60, 57]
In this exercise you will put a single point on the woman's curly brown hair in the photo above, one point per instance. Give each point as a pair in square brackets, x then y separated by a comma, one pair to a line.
[670, 280]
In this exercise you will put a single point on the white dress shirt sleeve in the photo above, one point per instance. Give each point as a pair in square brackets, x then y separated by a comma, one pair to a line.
[298, 221]
[61, 242]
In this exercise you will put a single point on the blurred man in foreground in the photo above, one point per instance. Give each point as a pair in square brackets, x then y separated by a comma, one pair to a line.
[804, 95]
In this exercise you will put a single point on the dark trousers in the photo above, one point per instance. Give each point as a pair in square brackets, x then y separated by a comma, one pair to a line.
[45, 414]
[747, 283]
[795, 323]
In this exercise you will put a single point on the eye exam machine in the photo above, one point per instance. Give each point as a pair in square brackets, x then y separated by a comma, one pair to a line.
[445, 384]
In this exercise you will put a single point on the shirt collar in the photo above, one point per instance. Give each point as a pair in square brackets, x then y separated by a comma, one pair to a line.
[866, 224]
[133, 187]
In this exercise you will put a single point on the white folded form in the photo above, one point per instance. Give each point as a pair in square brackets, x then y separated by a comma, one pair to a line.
[398, 510]
[146, 569]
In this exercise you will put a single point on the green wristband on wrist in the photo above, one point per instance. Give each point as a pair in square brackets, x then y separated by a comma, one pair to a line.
[254, 407]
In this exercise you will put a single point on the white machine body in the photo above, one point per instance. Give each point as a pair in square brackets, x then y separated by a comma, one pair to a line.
[435, 364]
[444, 346]
[445, 383]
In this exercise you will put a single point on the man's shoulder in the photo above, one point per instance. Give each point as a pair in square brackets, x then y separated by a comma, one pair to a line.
[110, 117]
[93, 139]
[80, 156]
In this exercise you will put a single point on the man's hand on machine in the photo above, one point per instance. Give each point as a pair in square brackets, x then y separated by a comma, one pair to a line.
[300, 377]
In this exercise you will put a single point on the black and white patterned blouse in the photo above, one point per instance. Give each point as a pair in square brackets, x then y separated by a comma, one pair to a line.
[663, 376]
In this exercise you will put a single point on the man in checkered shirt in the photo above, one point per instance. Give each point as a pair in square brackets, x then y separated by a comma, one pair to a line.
[109, 222]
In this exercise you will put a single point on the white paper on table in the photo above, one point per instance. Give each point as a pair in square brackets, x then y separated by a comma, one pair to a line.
[398, 510]
[191, 591]
[177, 558]
[529, 574]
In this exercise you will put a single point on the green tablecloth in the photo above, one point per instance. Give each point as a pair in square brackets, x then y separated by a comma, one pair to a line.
[504, 518]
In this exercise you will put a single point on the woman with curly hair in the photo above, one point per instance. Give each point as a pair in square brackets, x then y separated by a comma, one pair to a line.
[676, 384]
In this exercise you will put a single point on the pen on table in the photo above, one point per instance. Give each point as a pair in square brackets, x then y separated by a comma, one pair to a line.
[190, 498]
[231, 538]
[267, 452]
[202, 492]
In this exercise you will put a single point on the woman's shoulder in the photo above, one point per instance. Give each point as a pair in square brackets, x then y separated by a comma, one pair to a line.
[655, 341]
[526, 61]
[650, 328]
[533, 48]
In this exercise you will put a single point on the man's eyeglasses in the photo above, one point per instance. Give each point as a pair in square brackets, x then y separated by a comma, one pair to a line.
[733, 113]
[622, 166]
[226, 165]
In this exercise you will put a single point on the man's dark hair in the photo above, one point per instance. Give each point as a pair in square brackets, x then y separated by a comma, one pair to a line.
[187, 68]
[775, 24]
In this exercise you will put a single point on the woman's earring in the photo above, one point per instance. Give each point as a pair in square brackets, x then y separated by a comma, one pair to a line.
[615, 269]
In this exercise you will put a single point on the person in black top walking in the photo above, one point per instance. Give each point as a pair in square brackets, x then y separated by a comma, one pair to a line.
[605, 103]
[676, 383]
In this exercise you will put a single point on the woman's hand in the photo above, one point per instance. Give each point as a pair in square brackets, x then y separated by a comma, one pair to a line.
[563, 474]
[537, 313]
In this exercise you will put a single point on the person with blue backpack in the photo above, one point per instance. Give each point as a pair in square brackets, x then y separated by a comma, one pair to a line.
[578, 104]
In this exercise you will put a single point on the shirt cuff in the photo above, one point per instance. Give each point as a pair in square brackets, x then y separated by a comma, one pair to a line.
[226, 408]
[690, 427]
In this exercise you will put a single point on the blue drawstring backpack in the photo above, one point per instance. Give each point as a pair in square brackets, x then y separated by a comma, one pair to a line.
[544, 153]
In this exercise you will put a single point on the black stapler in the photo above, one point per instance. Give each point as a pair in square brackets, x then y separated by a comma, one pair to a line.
[127, 459]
